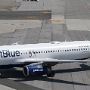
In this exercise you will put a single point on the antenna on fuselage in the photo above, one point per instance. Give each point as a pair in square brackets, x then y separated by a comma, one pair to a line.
[15, 43]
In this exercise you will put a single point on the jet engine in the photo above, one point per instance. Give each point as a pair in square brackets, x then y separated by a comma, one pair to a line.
[37, 70]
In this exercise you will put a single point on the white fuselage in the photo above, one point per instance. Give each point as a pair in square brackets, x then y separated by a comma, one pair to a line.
[62, 51]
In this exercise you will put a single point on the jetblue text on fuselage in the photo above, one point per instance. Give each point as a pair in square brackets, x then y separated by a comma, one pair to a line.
[7, 53]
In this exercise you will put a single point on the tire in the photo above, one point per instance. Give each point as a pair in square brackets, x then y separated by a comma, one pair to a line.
[52, 74]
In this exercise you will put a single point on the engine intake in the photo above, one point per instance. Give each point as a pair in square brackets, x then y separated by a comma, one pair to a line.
[35, 70]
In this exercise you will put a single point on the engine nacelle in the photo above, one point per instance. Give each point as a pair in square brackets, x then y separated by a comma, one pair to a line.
[35, 70]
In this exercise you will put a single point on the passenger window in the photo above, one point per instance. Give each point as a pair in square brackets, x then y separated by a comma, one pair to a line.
[53, 51]
[48, 51]
[74, 49]
[36, 52]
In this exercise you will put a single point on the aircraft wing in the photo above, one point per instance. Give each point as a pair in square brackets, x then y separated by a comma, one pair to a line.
[45, 60]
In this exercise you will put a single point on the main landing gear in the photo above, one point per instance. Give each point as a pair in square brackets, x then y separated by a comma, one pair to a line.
[50, 72]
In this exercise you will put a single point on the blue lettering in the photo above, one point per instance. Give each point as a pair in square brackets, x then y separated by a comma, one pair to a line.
[1, 54]
[17, 53]
[12, 54]
[7, 53]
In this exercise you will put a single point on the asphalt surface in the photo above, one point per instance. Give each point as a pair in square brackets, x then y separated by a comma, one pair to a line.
[8, 5]
[77, 9]
[17, 85]
[25, 15]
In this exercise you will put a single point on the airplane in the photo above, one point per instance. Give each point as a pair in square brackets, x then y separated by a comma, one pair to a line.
[38, 59]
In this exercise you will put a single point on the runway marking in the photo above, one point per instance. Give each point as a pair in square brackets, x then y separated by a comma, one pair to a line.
[57, 20]
[27, 17]
[79, 16]
[46, 12]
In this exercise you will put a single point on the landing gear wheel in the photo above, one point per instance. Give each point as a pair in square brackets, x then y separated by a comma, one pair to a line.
[51, 74]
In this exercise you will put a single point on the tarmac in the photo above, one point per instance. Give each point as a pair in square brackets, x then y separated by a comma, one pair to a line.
[8, 5]
[25, 15]
[69, 21]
